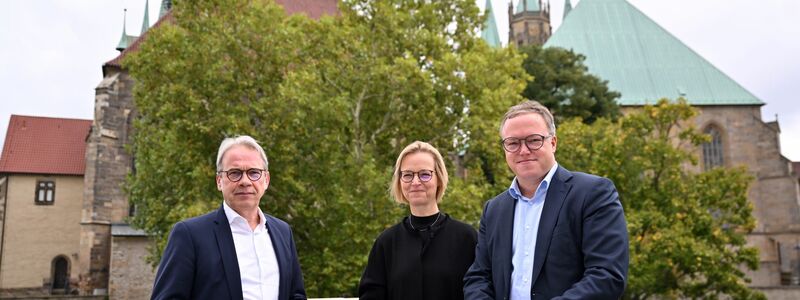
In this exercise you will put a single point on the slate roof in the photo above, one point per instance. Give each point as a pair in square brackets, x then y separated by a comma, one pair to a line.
[41, 145]
[641, 60]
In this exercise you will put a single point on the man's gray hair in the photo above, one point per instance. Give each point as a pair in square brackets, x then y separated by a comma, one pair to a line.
[527, 107]
[243, 140]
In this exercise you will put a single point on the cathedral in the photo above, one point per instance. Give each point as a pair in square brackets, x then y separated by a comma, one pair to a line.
[645, 63]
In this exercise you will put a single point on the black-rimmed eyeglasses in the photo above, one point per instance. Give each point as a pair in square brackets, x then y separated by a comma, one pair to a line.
[234, 175]
[533, 142]
[423, 175]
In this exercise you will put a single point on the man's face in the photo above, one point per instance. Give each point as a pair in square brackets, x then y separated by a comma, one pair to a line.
[244, 194]
[529, 165]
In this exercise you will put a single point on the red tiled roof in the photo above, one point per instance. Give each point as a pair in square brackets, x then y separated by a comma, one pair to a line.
[41, 145]
[311, 8]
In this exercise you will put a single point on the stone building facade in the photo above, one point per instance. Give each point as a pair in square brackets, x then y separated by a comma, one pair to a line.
[105, 203]
[748, 141]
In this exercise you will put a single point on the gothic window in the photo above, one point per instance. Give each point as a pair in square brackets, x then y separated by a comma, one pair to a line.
[45, 192]
[712, 150]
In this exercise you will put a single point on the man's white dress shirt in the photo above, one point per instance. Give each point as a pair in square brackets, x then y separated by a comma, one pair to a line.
[258, 266]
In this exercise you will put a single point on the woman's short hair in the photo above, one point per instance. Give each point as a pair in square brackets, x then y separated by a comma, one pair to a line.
[439, 168]
[243, 140]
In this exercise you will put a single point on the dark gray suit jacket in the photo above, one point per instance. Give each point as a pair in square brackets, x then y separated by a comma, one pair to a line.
[581, 248]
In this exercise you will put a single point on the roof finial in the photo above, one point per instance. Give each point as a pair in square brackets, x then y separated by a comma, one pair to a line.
[146, 21]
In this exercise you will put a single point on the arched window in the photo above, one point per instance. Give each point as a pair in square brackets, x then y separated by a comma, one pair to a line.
[712, 150]
[60, 275]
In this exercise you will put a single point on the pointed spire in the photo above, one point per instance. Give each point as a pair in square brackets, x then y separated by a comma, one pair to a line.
[123, 41]
[567, 8]
[166, 5]
[126, 40]
[146, 21]
[489, 32]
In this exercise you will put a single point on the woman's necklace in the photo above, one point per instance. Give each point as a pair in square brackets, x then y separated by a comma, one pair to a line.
[411, 223]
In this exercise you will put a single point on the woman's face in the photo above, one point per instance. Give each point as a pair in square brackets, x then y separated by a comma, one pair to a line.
[419, 168]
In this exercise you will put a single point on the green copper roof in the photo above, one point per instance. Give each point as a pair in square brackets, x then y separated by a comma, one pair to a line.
[146, 21]
[166, 5]
[527, 5]
[489, 32]
[126, 40]
[641, 60]
[567, 8]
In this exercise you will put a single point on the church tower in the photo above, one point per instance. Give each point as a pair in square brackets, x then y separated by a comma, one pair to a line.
[529, 23]
[105, 205]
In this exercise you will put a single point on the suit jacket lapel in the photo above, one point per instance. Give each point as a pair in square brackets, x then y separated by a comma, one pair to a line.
[227, 250]
[552, 206]
[278, 242]
[505, 238]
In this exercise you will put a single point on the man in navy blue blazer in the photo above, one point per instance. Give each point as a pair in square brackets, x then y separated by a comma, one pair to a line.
[237, 251]
[554, 234]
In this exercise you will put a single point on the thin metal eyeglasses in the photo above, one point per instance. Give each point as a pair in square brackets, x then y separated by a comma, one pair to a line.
[423, 175]
[234, 175]
[533, 142]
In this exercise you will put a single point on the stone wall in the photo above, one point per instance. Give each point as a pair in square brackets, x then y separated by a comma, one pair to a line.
[131, 277]
[37, 234]
[107, 166]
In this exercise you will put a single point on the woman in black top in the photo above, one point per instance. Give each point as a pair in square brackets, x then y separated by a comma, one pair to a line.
[426, 255]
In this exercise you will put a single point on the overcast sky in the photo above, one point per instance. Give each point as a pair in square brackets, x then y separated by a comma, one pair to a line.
[51, 51]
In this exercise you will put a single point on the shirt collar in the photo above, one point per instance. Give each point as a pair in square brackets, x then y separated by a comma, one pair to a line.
[514, 188]
[232, 215]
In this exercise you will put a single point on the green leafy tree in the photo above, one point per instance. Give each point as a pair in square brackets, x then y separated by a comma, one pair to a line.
[562, 83]
[687, 229]
[332, 101]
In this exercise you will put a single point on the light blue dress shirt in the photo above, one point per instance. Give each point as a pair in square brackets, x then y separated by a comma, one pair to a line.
[527, 213]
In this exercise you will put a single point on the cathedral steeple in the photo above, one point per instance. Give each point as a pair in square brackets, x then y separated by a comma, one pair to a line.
[126, 40]
[489, 31]
[146, 21]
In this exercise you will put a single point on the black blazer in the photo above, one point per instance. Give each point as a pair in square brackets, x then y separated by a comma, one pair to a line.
[581, 249]
[200, 262]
